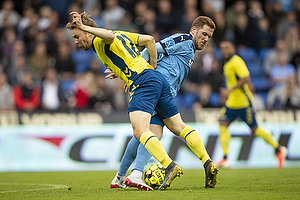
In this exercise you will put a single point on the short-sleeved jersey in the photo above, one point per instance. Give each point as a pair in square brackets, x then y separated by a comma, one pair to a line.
[122, 56]
[235, 69]
[176, 63]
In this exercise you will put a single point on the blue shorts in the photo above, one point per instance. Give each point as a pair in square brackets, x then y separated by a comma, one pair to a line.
[246, 114]
[156, 120]
[151, 91]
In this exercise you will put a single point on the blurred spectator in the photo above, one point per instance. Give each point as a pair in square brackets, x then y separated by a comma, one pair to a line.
[166, 19]
[26, 95]
[96, 67]
[296, 6]
[9, 62]
[120, 98]
[242, 35]
[292, 39]
[263, 37]
[281, 72]
[103, 96]
[232, 13]
[8, 13]
[80, 89]
[286, 5]
[45, 21]
[7, 41]
[139, 9]
[271, 56]
[149, 25]
[64, 64]
[204, 93]
[30, 33]
[39, 60]
[215, 76]
[51, 95]
[112, 14]
[284, 25]
[255, 12]
[190, 13]
[295, 61]
[274, 14]
[285, 97]
[206, 58]
[96, 16]
[82, 59]
[17, 70]
[126, 23]
[215, 5]
[6, 93]
[221, 32]
[25, 20]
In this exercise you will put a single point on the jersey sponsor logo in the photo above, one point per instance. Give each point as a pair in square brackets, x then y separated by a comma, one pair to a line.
[170, 43]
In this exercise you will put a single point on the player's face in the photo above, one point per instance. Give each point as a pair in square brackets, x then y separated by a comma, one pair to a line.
[81, 39]
[227, 49]
[201, 36]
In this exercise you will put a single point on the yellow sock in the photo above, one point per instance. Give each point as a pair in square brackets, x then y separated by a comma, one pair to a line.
[154, 147]
[266, 136]
[224, 139]
[195, 143]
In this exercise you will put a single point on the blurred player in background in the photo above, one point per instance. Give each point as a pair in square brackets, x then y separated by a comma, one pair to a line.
[239, 103]
[175, 58]
[149, 90]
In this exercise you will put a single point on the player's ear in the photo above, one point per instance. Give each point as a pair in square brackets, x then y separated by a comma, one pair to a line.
[193, 31]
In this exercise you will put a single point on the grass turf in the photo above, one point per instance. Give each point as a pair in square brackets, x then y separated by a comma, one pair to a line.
[232, 184]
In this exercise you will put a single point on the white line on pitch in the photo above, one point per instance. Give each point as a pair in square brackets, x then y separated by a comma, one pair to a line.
[52, 186]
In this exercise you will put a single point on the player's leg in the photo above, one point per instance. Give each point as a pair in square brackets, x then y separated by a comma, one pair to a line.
[280, 151]
[127, 160]
[148, 91]
[141, 129]
[226, 117]
[135, 179]
[193, 140]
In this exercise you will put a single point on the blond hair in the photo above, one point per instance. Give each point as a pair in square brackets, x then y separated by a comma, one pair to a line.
[200, 21]
[86, 20]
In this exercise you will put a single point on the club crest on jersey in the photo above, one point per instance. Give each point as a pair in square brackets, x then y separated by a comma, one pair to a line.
[170, 43]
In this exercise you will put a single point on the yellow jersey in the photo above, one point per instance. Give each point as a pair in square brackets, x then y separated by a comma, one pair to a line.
[235, 69]
[122, 56]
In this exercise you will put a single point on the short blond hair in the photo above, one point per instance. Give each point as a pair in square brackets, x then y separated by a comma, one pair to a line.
[200, 21]
[86, 20]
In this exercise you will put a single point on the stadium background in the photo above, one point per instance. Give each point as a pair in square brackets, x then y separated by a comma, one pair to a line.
[81, 122]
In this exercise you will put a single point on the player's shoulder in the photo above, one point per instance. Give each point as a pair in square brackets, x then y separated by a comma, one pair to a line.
[237, 59]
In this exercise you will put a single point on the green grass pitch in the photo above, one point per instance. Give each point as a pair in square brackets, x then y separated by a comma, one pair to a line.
[232, 184]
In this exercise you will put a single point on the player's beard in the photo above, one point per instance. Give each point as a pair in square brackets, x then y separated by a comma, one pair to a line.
[199, 44]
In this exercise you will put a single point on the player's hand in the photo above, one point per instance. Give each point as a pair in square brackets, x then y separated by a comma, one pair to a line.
[110, 75]
[76, 19]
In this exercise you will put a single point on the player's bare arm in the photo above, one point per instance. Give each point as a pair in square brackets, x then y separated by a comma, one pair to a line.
[225, 92]
[149, 42]
[107, 36]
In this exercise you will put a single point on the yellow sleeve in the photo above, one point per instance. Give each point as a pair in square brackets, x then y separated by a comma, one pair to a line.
[241, 69]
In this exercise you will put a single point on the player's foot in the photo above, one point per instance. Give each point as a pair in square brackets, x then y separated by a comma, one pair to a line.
[171, 172]
[211, 172]
[117, 182]
[135, 181]
[281, 156]
[223, 163]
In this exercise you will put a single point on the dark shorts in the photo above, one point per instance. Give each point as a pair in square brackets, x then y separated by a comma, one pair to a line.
[156, 120]
[151, 91]
[246, 114]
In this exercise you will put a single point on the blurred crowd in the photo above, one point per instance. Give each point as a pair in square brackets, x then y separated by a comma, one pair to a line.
[42, 69]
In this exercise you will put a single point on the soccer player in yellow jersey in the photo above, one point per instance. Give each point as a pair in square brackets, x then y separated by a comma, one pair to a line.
[149, 90]
[239, 103]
